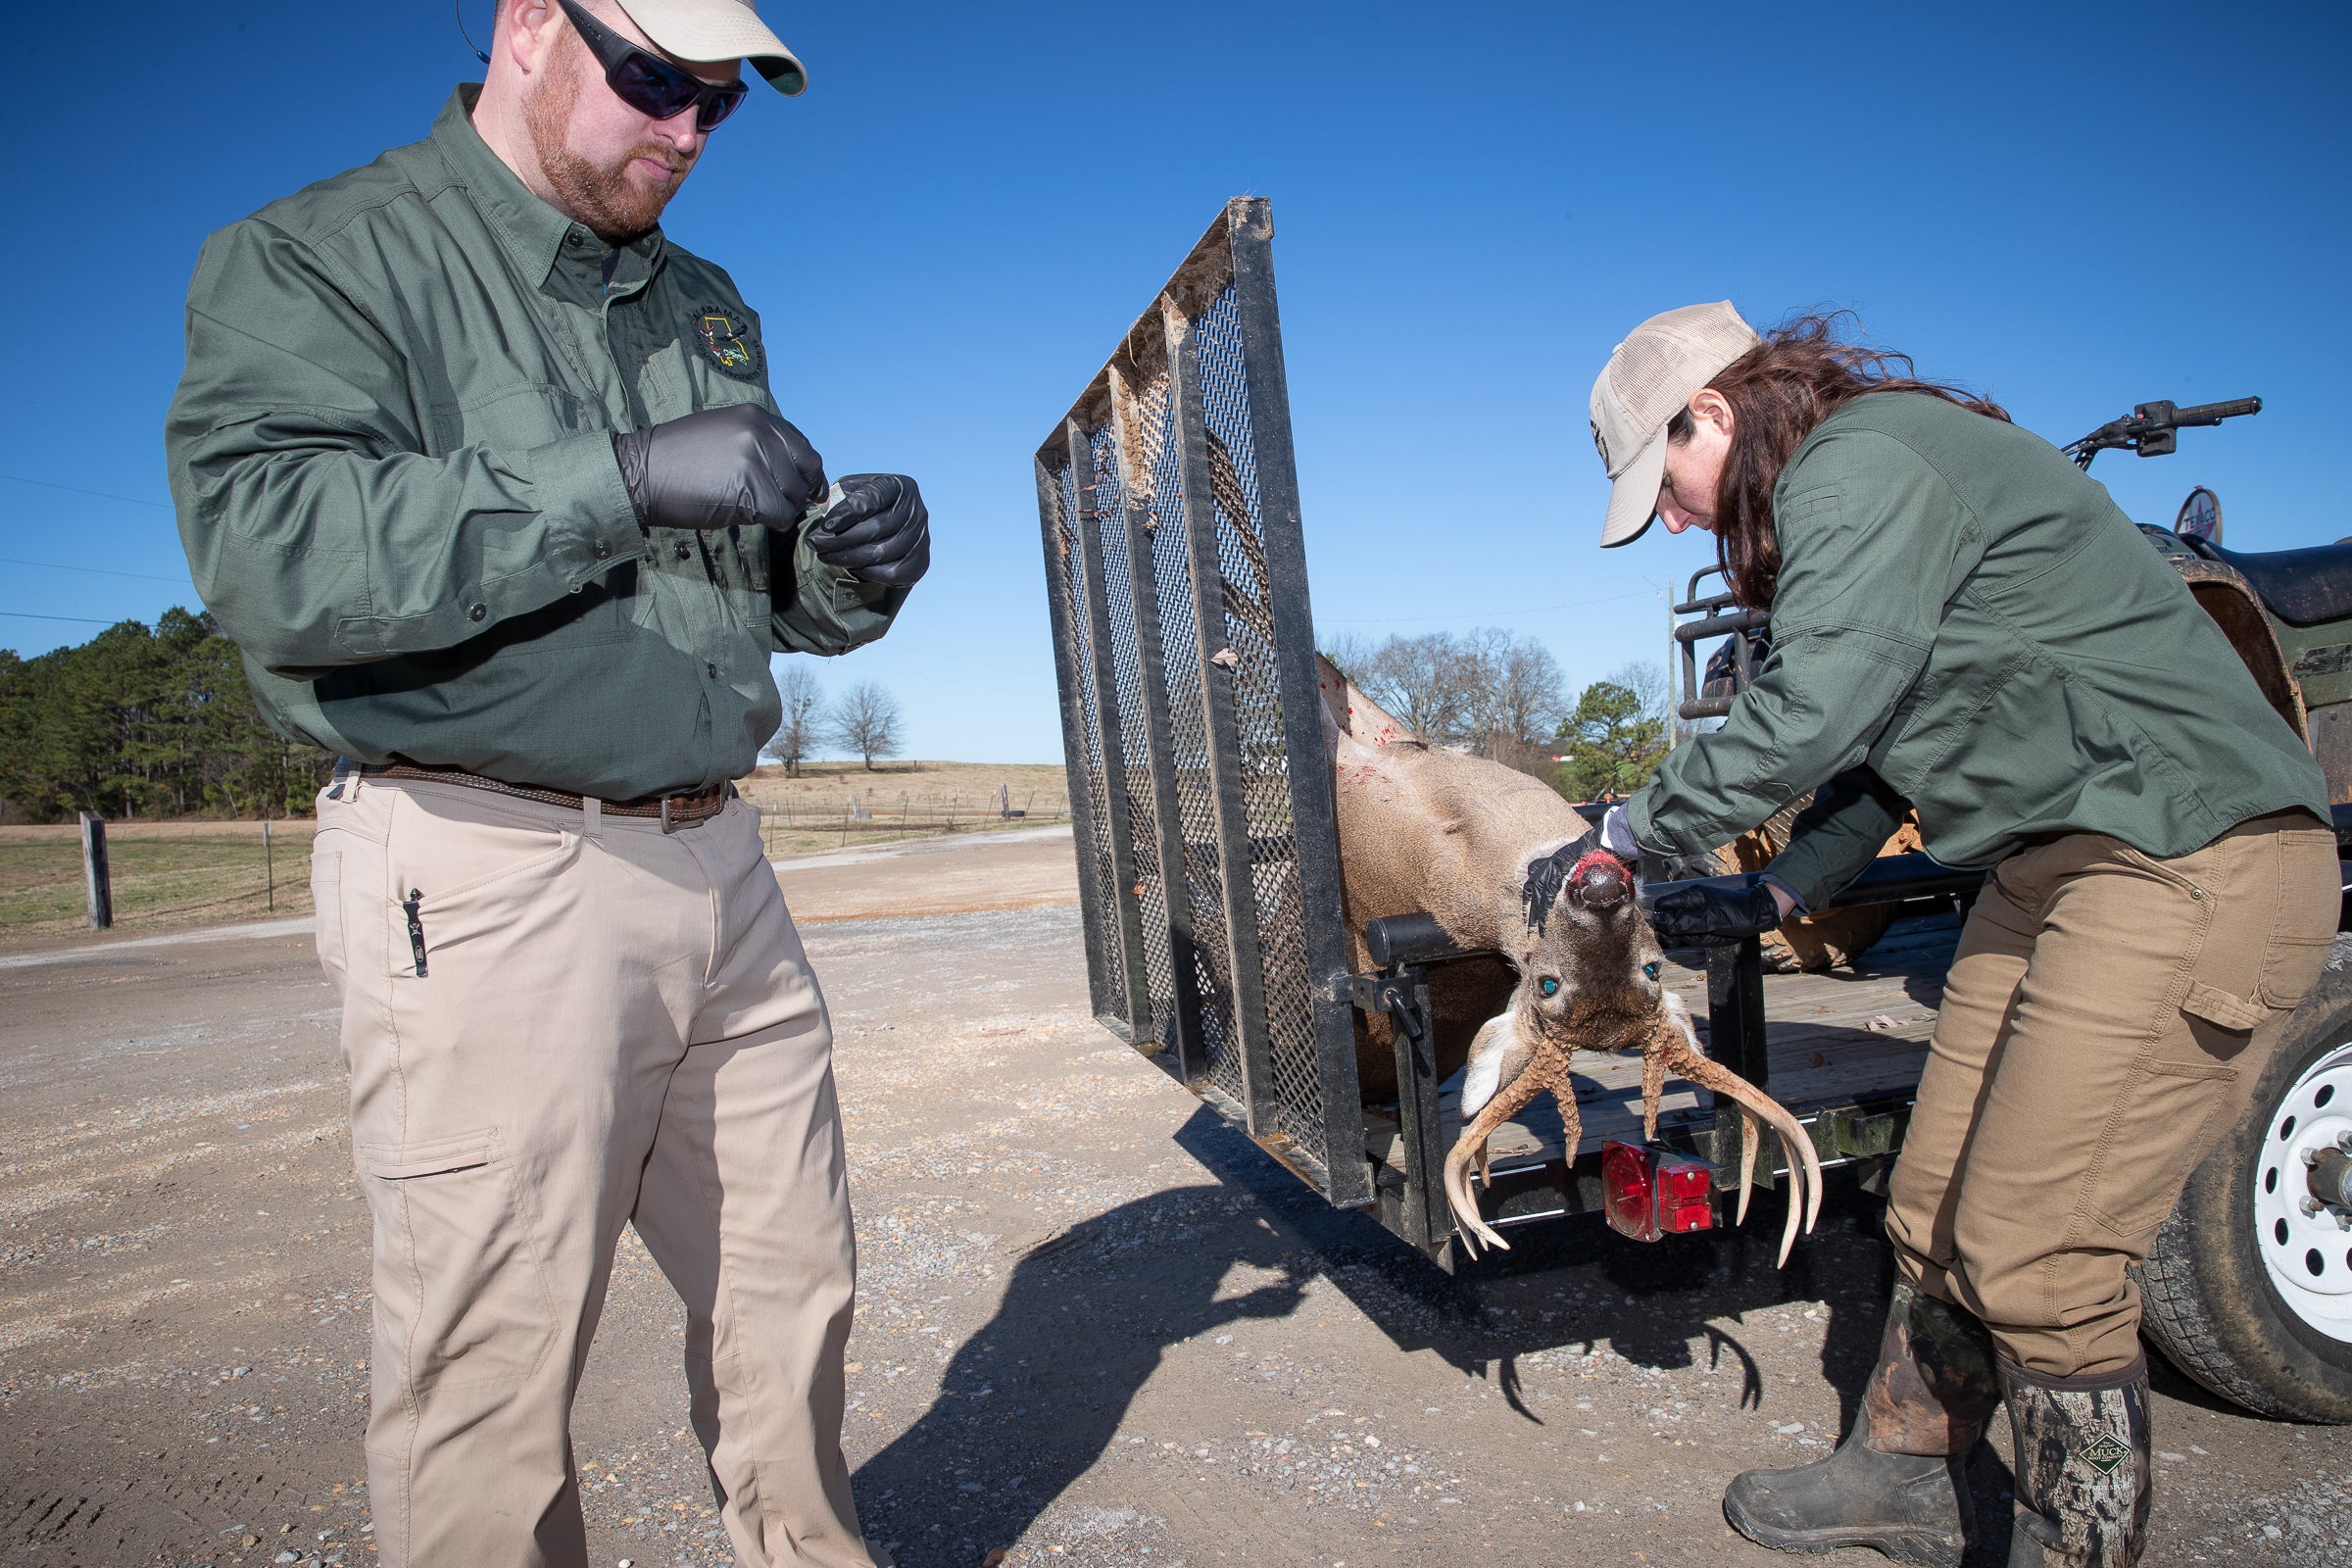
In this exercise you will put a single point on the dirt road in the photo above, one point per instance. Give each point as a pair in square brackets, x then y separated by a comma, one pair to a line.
[1095, 1327]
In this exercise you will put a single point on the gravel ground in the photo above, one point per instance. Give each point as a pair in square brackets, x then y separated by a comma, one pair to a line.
[1095, 1326]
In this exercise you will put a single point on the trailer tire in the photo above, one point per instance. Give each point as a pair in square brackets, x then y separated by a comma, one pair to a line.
[2208, 1299]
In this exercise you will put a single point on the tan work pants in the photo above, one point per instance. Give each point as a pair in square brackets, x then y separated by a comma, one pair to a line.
[611, 1025]
[2106, 1017]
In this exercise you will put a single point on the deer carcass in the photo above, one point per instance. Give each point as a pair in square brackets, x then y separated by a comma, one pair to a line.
[1494, 857]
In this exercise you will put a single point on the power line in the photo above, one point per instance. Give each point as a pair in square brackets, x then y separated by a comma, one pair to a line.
[87, 620]
[52, 566]
[103, 495]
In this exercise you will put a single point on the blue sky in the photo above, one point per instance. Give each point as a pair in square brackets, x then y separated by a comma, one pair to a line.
[2072, 207]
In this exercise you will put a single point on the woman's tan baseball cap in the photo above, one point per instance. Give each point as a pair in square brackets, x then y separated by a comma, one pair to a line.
[719, 30]
[1651, 377]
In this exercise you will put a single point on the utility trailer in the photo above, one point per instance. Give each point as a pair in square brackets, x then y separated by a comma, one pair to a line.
[1183, 648]
[1209, 883]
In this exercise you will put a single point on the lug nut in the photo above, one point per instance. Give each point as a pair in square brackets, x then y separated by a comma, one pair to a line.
[2331, 1181]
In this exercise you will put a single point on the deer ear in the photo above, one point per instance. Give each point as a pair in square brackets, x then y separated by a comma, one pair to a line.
[1497, 1055]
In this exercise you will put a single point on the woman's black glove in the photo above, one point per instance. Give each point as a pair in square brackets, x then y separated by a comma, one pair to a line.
[876, 528]
[719, 468]
[1720, 907]
[1613, 836]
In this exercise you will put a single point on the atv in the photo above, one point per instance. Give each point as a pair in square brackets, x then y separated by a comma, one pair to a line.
[2248, 1289]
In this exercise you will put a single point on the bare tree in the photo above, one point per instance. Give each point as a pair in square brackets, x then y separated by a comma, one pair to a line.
[1515, 700]
[1493, 690]
[1420, 680]
[803, 726]
[865, 720]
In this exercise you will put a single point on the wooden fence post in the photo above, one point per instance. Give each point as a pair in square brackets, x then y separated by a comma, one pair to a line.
[96, 881]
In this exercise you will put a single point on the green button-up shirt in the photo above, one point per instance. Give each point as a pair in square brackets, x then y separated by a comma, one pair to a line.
[1966, 622]
[391, 452]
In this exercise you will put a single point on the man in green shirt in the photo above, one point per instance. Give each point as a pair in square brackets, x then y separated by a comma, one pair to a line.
[483, 475]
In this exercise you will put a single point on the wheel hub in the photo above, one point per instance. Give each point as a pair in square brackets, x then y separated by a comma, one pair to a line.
[2302, 1226]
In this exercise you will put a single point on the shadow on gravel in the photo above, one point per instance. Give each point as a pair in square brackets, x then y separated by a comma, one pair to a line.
[1571, 1284]
[1030, 1401]
[1566, 1286]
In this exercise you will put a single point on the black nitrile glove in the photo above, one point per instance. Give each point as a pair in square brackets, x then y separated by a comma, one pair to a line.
[878, 530]
[1612, 835]
[719, 468]
[1720, 907]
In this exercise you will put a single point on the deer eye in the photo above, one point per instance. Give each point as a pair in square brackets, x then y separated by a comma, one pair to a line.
[1548, 986]
[1649, 970]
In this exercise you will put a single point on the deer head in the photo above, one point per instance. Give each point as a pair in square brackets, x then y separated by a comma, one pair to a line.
[1589, 968]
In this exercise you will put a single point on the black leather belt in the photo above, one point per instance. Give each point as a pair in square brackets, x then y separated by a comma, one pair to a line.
[673, 811]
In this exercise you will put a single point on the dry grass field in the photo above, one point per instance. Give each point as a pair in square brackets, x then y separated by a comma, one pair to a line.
[819, 809]
[172, 874]
[165, 875]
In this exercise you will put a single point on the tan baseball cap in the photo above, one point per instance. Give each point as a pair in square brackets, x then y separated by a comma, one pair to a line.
[1651, 377]
[719, 30]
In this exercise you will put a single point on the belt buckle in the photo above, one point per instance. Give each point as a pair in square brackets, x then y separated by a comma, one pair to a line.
[665, 827]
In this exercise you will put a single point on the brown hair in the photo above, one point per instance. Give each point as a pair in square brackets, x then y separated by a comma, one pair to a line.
[1800, 373]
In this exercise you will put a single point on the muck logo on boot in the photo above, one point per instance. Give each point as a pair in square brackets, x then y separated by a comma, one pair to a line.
[2103, 1453]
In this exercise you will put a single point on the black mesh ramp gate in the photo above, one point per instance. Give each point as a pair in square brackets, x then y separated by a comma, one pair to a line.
[1208, 860]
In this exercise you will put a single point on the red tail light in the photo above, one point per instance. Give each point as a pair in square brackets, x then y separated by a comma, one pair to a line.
[1649, 1192]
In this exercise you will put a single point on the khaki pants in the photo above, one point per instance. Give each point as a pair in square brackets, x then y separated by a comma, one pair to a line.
[2106, 1017]
[615, 1025]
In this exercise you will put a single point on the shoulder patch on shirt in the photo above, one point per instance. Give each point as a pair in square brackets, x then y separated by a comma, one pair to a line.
[726, 337]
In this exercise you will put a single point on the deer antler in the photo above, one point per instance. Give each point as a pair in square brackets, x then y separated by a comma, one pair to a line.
[1673, 1046]
[1506, 1104]
[1653, 1085]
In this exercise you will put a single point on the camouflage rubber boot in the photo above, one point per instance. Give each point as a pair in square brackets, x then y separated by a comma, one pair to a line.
[2082, 1467]
[1897, 1483]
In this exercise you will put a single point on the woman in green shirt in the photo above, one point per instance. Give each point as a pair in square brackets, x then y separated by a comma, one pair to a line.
[1963, 624]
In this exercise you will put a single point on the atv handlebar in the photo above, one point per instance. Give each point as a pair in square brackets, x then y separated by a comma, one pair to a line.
[2150, 429]
[2215, 413]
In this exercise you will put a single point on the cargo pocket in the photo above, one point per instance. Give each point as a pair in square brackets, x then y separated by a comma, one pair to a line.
[465, 1282]
[2155, 1140]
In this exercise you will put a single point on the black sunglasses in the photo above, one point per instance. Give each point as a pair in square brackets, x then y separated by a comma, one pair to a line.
[649, 84]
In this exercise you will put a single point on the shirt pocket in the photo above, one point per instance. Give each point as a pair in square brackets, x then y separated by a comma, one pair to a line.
[596, 612]
[513, 415]
[465, 1293]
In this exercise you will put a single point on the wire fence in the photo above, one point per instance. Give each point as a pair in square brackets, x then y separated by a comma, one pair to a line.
[197, 871]
[160, 874]
[876, 818]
